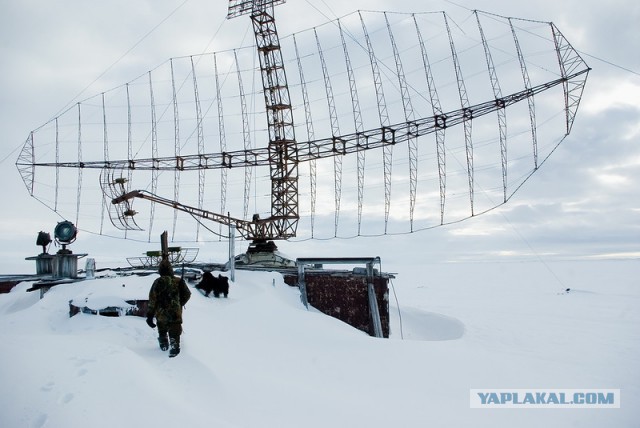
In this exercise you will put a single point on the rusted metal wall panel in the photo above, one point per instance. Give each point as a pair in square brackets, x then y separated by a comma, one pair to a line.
[344, 296]
[7, 286]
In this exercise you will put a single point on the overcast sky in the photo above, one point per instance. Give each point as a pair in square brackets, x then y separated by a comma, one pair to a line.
[584, 202]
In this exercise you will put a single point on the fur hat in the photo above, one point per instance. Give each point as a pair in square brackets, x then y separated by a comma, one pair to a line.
[165, 269]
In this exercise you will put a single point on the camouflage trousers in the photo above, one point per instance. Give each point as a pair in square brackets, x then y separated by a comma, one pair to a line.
[167, 331]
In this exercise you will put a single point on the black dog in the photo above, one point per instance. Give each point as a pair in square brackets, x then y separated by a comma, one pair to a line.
[210, 283]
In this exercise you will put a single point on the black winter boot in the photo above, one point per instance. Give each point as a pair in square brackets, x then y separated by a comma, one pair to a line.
[175, 347]
[163, 342]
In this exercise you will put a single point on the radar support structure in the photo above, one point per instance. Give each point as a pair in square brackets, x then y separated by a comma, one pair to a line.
[282, 149]
[281, 153]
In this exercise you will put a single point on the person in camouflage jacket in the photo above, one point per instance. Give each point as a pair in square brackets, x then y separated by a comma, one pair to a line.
[167, 296]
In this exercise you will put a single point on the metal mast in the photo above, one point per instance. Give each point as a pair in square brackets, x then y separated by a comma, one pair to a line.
[283, 155]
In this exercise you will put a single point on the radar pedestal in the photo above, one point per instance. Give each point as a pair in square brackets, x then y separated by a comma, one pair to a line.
[66, 265]
[263, 253]
[44, 263]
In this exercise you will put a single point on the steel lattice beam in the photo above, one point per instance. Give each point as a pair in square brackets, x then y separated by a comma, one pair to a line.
[497, 93]
[321, 148]
[245, 7]
[467, 115]
[310, 135]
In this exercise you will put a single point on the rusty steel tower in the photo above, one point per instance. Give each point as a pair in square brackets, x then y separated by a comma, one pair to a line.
[282, 147]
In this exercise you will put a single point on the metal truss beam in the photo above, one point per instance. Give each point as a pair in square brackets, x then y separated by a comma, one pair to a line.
[383, 114]
[502, 116]
[357, 123]
[569, 61]
[322, 148]
[530, 100]
[467, 117]
[201, 172]
[407, 106]
[310, 135]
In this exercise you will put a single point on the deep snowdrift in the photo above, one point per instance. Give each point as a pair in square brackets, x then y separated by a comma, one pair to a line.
[260, 359]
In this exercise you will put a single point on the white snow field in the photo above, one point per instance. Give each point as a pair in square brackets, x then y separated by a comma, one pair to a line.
[260, 359]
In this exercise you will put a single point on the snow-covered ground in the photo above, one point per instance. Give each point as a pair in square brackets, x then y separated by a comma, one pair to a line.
[260, 359]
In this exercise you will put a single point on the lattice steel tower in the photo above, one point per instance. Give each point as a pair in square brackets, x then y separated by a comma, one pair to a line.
[282, 149]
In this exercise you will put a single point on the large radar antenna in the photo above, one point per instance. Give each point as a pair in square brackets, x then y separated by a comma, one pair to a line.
[408, 86]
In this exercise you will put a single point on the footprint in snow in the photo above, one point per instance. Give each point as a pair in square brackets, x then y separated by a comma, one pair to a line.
[48, 387]
[66, 398]
[39, 421]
